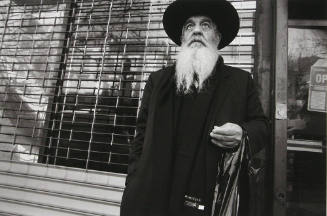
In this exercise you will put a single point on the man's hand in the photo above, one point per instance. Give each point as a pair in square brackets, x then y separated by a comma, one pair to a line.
[227, 136]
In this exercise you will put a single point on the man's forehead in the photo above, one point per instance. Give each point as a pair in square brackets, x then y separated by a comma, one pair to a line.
[198, 18]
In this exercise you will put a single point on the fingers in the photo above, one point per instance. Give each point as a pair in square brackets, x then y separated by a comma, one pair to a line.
[226, 145]
[223, 130]
[228, 129]
[226, 136]
[228, 132]
[223, 137]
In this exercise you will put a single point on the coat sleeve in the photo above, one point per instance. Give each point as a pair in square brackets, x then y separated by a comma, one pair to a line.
[256, 123]
[136, 146]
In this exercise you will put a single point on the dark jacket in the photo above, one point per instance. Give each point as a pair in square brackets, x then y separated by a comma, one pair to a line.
[236, 102]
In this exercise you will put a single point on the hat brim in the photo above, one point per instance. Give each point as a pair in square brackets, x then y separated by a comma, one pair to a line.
[222, 13]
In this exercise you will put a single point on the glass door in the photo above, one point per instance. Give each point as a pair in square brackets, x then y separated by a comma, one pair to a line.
[306, 118]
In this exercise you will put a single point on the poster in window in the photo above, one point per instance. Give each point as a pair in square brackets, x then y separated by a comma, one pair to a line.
[307, 70]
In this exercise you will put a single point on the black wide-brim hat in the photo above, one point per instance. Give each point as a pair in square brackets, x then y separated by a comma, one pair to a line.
[222, 13]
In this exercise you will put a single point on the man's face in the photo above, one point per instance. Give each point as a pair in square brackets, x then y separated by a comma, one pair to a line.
[200, 31]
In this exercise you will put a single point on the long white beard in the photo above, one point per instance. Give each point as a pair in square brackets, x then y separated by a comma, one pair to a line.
[193, 66]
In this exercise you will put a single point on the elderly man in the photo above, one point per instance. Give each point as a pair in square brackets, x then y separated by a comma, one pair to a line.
[192, 115]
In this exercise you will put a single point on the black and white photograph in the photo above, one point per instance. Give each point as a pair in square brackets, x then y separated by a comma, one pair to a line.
[163, 107]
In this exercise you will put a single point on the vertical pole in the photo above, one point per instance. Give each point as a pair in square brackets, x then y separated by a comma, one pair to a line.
[264, 52]
[263, 76]
[280, 109]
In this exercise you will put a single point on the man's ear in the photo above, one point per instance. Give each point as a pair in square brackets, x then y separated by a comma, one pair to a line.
[220, 36]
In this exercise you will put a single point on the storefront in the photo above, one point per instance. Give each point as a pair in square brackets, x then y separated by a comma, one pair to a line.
[300, 114]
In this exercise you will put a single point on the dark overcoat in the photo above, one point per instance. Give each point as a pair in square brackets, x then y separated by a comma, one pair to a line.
[235, 100]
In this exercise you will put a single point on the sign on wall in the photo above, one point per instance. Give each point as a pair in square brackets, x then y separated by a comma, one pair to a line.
[318, 87]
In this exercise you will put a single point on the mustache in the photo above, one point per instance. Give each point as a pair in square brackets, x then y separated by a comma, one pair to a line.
[197, 39]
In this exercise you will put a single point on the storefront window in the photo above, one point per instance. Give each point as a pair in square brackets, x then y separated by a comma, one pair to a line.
[307, 92]
[307, 55]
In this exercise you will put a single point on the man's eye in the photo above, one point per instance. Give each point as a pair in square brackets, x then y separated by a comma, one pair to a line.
[189, 26]
[206, 25]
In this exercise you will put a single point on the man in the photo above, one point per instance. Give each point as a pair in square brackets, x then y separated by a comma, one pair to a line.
[192, 115]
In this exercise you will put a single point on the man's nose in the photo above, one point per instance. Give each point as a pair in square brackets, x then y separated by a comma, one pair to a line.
[197, 33]
[197, 29]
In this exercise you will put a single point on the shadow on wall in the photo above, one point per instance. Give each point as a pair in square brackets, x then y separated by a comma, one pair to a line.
[27, 61]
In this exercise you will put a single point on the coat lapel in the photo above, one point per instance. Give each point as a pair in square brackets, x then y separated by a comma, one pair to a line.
[224, 85]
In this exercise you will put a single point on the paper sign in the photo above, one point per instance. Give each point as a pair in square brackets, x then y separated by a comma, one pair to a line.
[318, 89]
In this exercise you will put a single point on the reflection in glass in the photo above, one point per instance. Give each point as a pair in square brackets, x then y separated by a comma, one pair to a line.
[307, 48]
[306, 158]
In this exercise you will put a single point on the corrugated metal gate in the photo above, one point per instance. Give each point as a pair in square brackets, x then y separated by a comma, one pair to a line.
[73, 72]
[71, 81]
